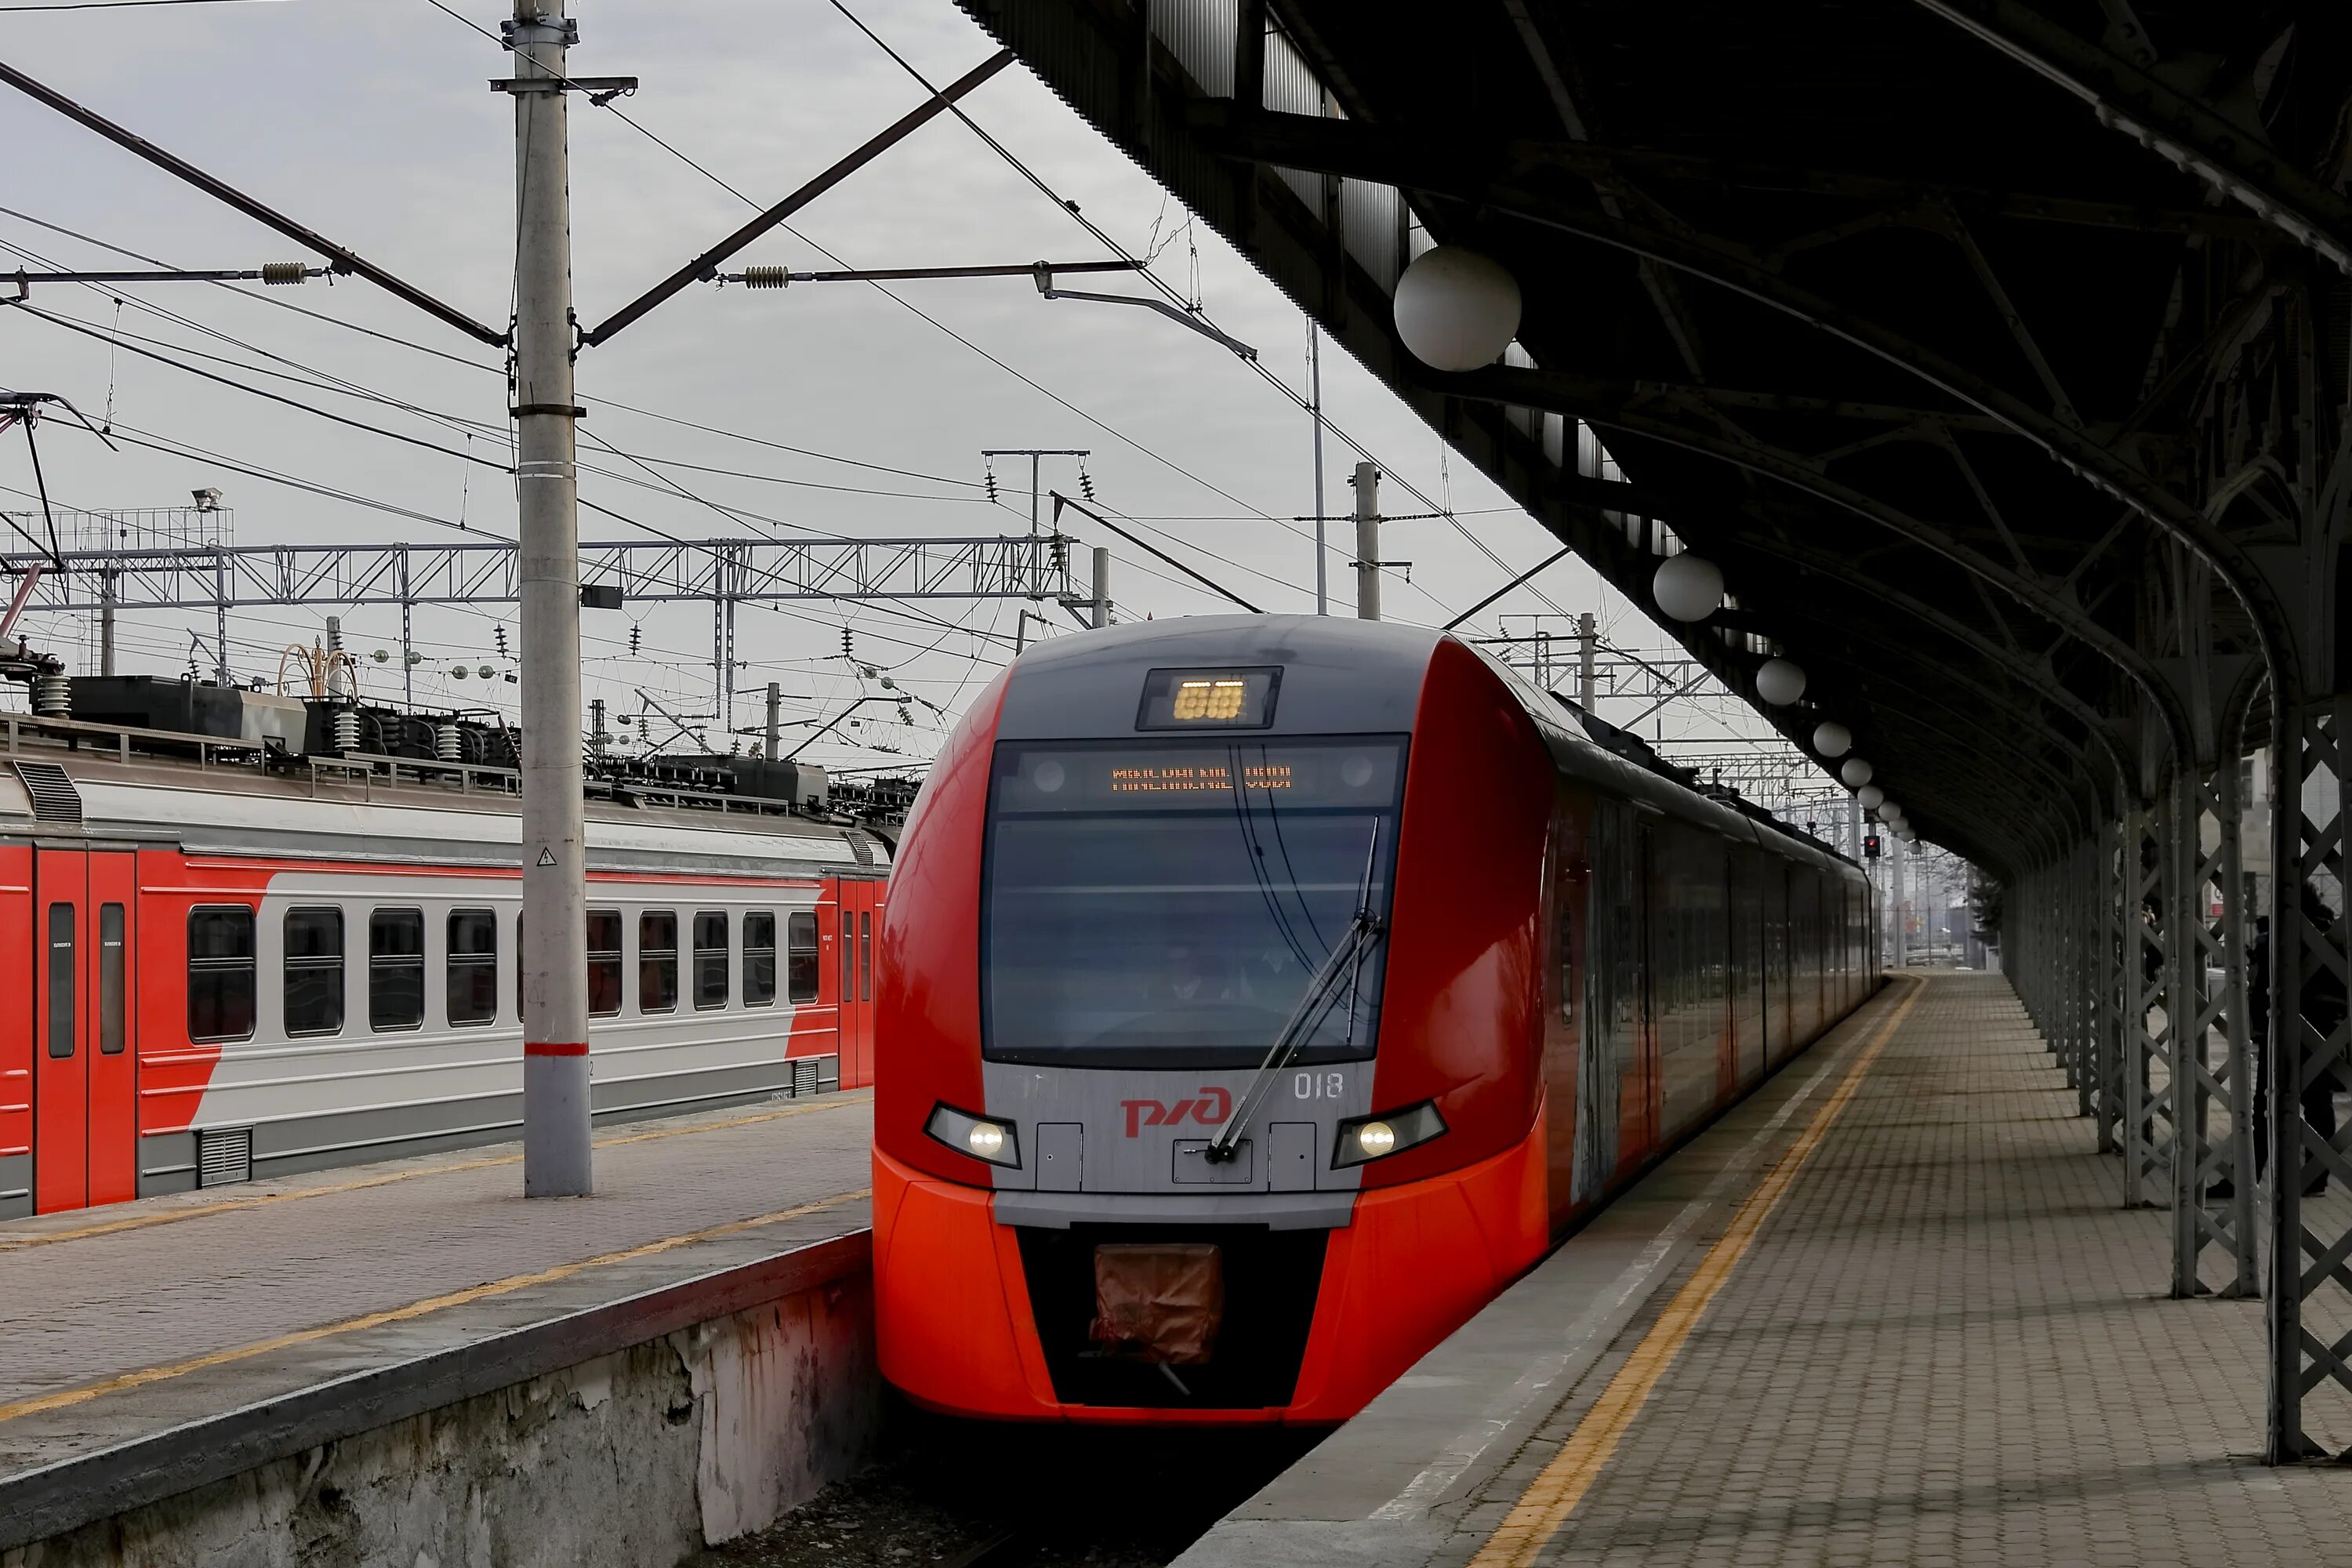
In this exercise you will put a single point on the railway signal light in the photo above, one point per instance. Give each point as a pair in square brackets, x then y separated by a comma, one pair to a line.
[1870, 848]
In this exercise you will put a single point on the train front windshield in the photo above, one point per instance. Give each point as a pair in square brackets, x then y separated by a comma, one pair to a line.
[1167, 904]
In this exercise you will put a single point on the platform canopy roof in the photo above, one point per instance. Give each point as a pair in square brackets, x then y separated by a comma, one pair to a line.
[1942, 326]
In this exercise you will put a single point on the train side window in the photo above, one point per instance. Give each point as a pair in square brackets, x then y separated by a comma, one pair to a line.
[314, 972]
[396, 969]
[710, 960]
[61, 980]
[112, 979]
[1566, 965]
[604, 962]
[472, 966]
[865, 957]
[800, 978]
[221, 975]
[657, 961]
[759, 958]
[848, 958]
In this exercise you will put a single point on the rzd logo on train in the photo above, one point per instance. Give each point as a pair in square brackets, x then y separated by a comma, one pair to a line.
[1210, 1111]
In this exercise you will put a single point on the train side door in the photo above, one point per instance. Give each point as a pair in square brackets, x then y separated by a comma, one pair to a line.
[111, 1033]
[856, 1011]
[61, 1077]
[85, 1063]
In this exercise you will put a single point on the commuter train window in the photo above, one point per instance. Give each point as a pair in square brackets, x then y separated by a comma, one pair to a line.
[472, 966]
[848, 958]
[113, 985]
[865, 957]
[61, 980]
[1567, 967]
[314, 972]
[221, 977]
[800, 935]
[1173, 901]
[657, 961]
[710, 960]
[759, 958]
[604, 962]
[396, 969]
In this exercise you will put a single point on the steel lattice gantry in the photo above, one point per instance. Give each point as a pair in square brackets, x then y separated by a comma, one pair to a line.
[707, 570]
[1998, 355]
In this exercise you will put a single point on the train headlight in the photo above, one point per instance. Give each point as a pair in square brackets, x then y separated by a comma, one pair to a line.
[981, 1136]
[1367, 1137]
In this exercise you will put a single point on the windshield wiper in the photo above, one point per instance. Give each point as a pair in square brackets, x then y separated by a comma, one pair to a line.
[1346, 956]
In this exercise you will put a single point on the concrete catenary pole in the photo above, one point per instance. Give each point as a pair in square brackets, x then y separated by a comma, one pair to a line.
[1588, 649]
[1367, 543]
[775, 721]
[1102, 586]
[556, 1160]
[106, 621]
[1853, 826]
[1315, 407]
[1895, 904]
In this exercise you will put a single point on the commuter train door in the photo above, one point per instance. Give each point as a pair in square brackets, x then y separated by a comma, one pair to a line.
[85, 1100]
[857, 935]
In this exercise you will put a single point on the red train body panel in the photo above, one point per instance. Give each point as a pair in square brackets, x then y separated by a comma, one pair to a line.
[1109, 903]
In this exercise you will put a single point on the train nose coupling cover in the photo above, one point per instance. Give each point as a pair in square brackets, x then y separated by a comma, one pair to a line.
[1159, 1302]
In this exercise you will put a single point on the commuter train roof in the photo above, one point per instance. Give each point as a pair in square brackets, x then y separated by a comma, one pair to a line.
[1340, 676]
[130, 785]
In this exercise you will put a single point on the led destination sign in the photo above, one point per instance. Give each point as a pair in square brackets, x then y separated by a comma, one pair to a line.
[1209, 776]
[1195, 777]
[1208, 699]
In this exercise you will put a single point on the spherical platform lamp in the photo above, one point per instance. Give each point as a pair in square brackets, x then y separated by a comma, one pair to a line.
[1870, 796]
[1855, 773]
[1832, 739]
[1687, 587]
[1780, 681]
[1457, 308]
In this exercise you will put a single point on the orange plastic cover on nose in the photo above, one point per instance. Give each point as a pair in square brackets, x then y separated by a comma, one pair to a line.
[1160, 1303]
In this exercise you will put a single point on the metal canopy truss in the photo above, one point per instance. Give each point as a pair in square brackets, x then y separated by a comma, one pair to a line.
[2020, 433]
[709, 571]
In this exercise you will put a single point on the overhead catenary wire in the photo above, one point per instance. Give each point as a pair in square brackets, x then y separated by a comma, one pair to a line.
[1155, 280]
[279, 302]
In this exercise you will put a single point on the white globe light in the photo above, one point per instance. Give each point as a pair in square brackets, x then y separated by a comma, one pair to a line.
[1905, 835]
[1455, 309]
[1687, 587]
[1831, 740]
[1870, 796]
[1888, 810]
[1856, 772]
[1779, 682]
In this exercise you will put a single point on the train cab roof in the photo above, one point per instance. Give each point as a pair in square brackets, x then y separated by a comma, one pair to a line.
[1339, 675]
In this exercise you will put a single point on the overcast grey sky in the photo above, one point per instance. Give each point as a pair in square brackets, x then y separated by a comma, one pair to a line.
[373, 125]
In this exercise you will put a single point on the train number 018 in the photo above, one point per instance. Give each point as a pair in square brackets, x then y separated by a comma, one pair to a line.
[1318, 1084]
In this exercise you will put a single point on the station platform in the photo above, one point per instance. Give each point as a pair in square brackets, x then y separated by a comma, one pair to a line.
[143, 1339]
[1888, 1310]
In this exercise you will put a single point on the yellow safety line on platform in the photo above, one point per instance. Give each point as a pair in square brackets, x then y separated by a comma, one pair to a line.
[1555, 1492]
[235, 1205]
[67, 1397]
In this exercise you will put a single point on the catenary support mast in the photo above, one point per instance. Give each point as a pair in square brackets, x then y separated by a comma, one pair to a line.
[556, 1153]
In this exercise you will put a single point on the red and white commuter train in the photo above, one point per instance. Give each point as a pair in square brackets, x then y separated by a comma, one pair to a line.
[1260, 995]
[213, 970]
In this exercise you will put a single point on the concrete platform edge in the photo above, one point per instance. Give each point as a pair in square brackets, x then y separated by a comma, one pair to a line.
[40, 1504]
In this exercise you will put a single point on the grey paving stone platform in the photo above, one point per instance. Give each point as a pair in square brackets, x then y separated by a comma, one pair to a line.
[1947, 1344]
[121, 1322]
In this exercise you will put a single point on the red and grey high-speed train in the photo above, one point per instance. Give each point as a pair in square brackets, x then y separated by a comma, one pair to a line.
[220, 962]
[1260, 995]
